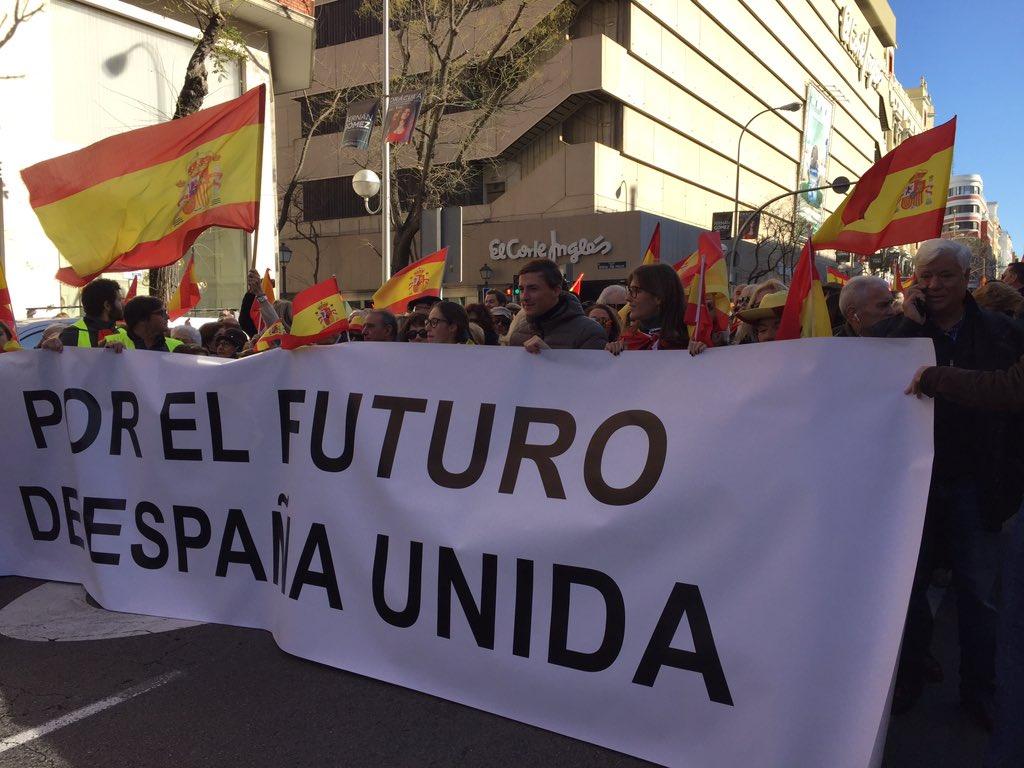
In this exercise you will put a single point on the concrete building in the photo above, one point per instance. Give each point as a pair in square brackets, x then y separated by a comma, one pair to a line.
[86, 69]
[643, 110]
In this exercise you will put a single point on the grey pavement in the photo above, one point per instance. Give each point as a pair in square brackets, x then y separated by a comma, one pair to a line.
[226, 696]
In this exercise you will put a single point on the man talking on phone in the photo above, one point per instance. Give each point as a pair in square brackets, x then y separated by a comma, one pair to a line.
[977, 475]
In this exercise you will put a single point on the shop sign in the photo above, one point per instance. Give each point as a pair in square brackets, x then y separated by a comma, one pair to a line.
[553, 249]
[856, 39]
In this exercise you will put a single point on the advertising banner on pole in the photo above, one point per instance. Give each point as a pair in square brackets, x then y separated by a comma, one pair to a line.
[617, 569]
[814, 154]
[359, 123]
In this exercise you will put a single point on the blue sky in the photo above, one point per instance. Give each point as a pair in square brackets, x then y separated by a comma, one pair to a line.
[973, 58]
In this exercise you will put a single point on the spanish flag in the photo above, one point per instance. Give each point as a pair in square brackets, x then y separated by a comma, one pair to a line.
[271, 337]
[133, 290]
[419, 279]
[704, 276]
[578, 285]
[6, 310]
[187, 296]
[140, 199]
[653, 254]
[834, 275]
[805, 314]
[901, 199]
[317, 312]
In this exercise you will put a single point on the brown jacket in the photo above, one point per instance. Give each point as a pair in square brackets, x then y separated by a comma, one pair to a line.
[988, 390]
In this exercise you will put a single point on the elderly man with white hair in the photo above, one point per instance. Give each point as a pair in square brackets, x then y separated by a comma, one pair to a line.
[865, 301]
[977, 474]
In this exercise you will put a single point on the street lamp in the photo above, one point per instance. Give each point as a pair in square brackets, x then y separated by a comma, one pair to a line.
[284, 256]
[486, 273]
[736, 230]
[366, 184]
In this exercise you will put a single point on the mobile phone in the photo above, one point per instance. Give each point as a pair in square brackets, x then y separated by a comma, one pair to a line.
[922, 307]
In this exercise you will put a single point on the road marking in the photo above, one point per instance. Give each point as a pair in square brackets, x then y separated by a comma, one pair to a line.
[55, 612]
[11, 742]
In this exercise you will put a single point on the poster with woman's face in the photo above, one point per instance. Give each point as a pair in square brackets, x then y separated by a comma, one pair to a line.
[401, 118]
[814, 152]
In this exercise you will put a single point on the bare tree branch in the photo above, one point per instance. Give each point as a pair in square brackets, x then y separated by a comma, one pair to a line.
[18, 16]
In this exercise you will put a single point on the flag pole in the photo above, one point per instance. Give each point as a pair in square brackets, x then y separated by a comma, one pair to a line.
[259, 169]
[700, 292]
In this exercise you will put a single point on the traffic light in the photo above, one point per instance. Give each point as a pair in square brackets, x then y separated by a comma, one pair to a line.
[516, 290]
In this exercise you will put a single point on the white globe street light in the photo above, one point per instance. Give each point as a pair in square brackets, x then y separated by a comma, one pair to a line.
[366, 184]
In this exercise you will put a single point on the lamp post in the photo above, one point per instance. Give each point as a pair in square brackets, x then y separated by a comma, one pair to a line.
[792, 107]
[840, 185]
[284, 256]
[486, 273]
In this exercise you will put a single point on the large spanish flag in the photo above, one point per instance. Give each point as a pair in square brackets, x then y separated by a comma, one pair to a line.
[187, 296]
[6, 310]
[140, 199]
[901, 199]
[420, 279]
[317, 312]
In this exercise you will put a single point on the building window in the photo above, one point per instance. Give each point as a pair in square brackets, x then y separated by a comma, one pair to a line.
[331, 199]
[340, 22]
[313, 106]
[493, 190]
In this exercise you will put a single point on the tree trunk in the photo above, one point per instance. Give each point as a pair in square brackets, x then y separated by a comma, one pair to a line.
[190, 100]
[403, 239]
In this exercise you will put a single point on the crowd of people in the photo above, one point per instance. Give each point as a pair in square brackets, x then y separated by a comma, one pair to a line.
[972, 531]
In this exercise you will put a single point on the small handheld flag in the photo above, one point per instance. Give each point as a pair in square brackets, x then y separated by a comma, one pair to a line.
[133, 289]
[653, 254]
[317, 313]
[805, 314]
[187, 296]
[578, 285]
[418, 280]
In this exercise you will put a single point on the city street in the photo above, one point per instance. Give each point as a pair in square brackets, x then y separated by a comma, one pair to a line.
[211, 695]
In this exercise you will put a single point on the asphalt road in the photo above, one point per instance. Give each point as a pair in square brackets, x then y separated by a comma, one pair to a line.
[211, 695]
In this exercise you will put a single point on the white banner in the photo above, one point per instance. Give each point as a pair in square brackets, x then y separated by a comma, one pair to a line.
[698, 561]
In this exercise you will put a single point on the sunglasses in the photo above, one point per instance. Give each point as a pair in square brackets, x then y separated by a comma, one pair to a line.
[420, 334]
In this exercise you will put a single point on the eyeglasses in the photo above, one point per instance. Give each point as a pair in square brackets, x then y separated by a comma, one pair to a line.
[420, 334]
[433, 322]
[634, 290]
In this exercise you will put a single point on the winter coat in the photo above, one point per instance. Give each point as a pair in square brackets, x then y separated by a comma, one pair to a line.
[988, 390]
[970, 442]
[564, 326]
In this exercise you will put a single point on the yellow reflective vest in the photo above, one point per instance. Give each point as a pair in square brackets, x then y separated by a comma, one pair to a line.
[121, 337]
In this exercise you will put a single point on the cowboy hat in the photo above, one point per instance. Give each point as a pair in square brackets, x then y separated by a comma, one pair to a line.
[770, 305]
